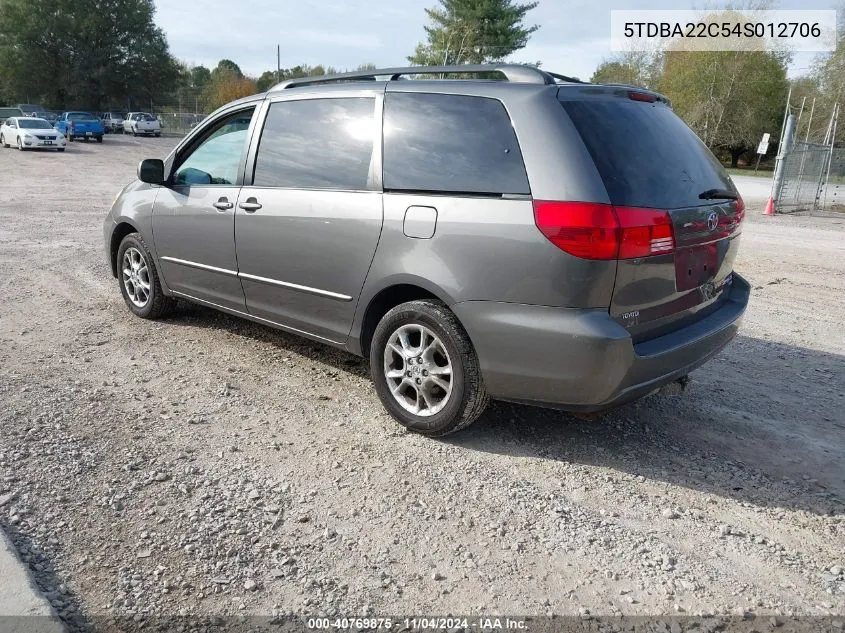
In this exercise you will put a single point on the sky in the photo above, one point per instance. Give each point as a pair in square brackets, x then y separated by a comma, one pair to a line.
[574, 35]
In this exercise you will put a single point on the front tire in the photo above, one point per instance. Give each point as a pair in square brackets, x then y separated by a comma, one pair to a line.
[20, 144]
[139, 282]
[425, 370]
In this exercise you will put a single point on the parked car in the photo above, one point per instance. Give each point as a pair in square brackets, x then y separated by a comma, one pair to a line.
[31, 109]
[537, 240]
[80, 125]
[141, 123]
[113, 121]
[30, 133]
[7, 111]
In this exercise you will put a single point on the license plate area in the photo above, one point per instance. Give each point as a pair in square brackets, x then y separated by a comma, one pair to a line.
[695, 266]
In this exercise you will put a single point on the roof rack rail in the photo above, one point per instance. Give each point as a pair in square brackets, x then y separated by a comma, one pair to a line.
[511, 72]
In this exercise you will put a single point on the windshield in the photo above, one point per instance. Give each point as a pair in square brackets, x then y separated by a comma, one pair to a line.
[117, 115]
[79, 116]
[33, 124]
[5, 113]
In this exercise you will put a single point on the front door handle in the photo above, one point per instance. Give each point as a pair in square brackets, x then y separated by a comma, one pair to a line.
[223, 204]
[250, 206]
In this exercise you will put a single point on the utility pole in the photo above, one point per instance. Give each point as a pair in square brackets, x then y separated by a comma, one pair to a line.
[278, 62]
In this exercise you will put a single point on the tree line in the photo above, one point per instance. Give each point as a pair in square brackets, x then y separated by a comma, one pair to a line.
[102, 54]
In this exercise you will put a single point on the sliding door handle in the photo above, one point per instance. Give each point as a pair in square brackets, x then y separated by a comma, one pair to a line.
[250, 206]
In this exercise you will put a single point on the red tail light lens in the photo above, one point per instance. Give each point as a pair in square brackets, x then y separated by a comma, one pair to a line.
[602, 231]
[583, 229]
[645, 232]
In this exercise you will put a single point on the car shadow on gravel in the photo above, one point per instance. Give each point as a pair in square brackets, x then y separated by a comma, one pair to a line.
[761, 423]
[190, 314]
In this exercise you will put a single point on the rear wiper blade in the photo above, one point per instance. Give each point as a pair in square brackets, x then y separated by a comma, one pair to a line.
[713, 194]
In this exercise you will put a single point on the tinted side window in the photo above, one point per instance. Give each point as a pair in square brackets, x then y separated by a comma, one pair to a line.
[317, 144]
[450, 143]
[216, 159]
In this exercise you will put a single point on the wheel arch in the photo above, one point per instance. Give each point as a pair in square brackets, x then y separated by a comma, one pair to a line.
[385, 299]
[121, 230]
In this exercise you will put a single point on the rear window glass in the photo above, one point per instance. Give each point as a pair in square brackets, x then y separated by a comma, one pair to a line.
[645, 153]
[450, 143]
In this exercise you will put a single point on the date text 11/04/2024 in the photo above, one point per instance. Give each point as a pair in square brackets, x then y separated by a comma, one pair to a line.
[418, 623]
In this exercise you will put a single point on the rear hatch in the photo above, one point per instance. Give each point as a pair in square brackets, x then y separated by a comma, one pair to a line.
[676, 260]
[147, 122]
[85, 125]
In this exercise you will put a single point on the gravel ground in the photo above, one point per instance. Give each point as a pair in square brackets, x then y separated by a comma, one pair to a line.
[206, 465]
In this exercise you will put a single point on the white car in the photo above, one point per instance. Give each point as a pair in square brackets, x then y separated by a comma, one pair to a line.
[141, 123]
[31, 133]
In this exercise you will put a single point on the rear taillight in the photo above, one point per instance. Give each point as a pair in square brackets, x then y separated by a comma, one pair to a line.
[645, 232]
[740, 210]
[583, 229]
[602, 231]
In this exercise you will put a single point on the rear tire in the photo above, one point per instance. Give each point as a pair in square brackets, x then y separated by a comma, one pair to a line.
[425, 370]
[99, 139]
[61, 149]
[139, 282]
[3, 142]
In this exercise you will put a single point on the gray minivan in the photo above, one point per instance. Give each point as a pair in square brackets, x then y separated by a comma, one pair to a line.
[516, 235]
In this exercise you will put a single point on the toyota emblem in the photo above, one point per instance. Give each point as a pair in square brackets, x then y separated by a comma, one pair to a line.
[712, 221]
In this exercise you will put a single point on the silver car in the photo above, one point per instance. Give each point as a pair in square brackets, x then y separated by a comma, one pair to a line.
[532, 239]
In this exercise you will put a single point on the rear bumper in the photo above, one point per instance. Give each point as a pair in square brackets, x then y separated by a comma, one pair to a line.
[582, 360]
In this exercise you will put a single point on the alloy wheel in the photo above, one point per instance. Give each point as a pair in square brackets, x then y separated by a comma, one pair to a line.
[418, 370]
[136, 277]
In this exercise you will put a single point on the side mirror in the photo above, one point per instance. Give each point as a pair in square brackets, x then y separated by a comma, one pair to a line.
[151, 171]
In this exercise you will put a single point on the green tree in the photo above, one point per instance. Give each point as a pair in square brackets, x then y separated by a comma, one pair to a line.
[200, 76]
[267, 80]
[85, 53]
[473, 32]
[227, 68]
[635, 69]
[729, 98]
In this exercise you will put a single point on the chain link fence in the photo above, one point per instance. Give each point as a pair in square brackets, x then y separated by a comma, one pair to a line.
[177, 122]
[832, 195]
[804, 170]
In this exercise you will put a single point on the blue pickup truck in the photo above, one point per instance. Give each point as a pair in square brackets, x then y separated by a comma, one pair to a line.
[80, 125]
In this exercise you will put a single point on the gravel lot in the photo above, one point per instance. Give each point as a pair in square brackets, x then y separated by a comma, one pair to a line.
[206, 465]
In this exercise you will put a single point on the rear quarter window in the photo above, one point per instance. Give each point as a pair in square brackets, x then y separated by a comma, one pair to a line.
[646, 155]
[450, 144]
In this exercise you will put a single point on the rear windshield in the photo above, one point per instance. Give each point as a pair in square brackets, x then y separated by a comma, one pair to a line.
[9, 112]
[645, 154]
[79, 116]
